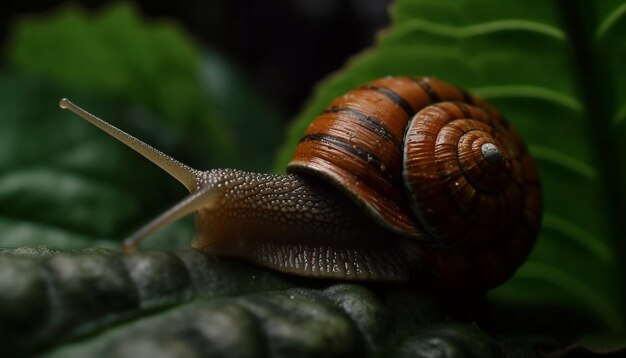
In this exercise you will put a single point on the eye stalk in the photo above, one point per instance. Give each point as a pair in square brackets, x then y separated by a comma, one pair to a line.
[183, 173]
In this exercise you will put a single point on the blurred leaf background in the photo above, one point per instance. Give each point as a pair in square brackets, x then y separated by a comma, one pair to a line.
[553, 67]
[138, 67]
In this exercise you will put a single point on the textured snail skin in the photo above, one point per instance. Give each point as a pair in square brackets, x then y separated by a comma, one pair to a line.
[402, 179]
[296, 224]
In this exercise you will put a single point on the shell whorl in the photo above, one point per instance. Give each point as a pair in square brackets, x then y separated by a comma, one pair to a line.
[470, 175]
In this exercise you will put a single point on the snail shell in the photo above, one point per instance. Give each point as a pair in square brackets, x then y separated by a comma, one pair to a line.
[404, 178]
[427, 160]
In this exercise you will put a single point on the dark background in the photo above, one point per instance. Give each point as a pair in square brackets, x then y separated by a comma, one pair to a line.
[282, 47]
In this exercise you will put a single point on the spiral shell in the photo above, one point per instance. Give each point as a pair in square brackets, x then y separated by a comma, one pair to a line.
[470, 179]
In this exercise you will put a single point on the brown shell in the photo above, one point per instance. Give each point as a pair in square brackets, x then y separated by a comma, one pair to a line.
[458, 196]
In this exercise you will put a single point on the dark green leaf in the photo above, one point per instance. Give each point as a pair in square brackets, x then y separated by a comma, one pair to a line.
[96, 302]
[116, 54]
[525, 58]
[63, 182]
[113, 52]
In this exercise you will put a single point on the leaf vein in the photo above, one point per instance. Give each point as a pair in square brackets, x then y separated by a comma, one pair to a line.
[563, 160]
[609, 21]
[530, 92]
[481, 29]
[577, 234]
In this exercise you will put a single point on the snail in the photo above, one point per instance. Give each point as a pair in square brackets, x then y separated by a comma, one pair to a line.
[401, 179]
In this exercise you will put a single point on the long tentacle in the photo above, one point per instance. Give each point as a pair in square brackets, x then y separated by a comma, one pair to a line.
[183, 173]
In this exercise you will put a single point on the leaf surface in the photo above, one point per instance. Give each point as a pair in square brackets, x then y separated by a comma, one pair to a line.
[116, 53]
[541, 63]
[184, 303]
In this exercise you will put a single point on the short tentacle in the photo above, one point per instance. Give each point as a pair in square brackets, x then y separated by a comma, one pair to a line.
[205, 198]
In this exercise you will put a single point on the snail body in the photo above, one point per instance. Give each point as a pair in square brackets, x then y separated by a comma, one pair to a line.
[404, 178]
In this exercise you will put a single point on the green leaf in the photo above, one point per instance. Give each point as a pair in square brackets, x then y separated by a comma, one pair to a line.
[117, 54]
[555, 70]
[63, 182]
[114, 52]
[96, 302]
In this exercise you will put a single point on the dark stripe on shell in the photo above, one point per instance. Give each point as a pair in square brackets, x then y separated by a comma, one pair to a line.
[363, 154]
[370, 122]
[467, 98]
[432, 94]
[394, 97]
[463, 108]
